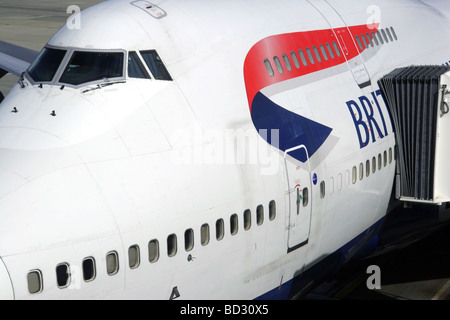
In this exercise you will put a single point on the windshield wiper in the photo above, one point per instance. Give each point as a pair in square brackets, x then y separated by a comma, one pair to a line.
[102, 85]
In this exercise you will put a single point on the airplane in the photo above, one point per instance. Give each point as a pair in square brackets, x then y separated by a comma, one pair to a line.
[204, 149]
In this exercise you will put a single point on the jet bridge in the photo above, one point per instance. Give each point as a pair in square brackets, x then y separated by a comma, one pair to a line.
[417, 100]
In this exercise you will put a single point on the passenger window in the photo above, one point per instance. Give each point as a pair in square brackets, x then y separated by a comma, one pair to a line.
[330, 51]
[389, 34]
[374, 165]
[112, 263]
[153, 251]
[305, 197]
[287, 62]
[358, 40]
[339, 181]
[303, 57]
[295, 59]
[220, 229]
[247, 219]
[63, 275]
[394, 34]
[375, 38]
[234, 224]
[390, 155]
[354, 175]
[34, 279]
[379, 161]
[155, 65]
[324, 52]
[367, 168]
[259, 215]
[385, 158]
[272, 210]
[278, 65]
[135, 67]
[172, 245]
[134, 258]
[89, 269]
[369, 38]
[310, 56]
[366, 44]
[384, 35]
[269, 67]
[322, 189]
[380, 38]
[204, 234]
[189, 240]
[361, 171]
[317, 54]
[336, 48]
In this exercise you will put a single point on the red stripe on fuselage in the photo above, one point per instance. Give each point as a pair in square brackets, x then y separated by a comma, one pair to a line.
[256, 76]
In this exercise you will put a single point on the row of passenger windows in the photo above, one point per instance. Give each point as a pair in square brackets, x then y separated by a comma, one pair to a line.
[89, 268]
[370, 167]
[379, 38]
[316, 54]
[326, 52]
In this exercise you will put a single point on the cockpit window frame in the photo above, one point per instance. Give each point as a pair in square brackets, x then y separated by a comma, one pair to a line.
[65, 61]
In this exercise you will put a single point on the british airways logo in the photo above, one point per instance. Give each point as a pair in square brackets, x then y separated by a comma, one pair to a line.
[368, 118]
[287, 53]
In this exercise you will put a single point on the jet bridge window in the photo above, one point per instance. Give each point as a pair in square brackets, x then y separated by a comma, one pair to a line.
[155, 65]
[44, 68]
[90, 66]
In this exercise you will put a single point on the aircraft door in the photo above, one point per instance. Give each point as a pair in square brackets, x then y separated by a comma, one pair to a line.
[345, 41]
[299, 198]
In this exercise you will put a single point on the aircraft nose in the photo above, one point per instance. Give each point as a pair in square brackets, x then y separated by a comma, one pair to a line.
[6, 289]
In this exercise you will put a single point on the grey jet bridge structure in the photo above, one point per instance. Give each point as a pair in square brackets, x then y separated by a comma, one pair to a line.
[416, 97]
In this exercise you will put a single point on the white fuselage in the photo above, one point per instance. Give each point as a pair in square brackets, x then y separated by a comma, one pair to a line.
[155, 172]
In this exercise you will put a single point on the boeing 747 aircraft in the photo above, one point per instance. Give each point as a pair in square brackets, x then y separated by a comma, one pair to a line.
[206, 149]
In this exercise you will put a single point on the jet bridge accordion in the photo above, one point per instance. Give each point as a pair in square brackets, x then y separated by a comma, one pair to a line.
[417, 100]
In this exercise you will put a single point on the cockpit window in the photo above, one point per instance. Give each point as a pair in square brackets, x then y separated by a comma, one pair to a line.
[89, 66]
[44, 68]
[135, 67]
[155, 65]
